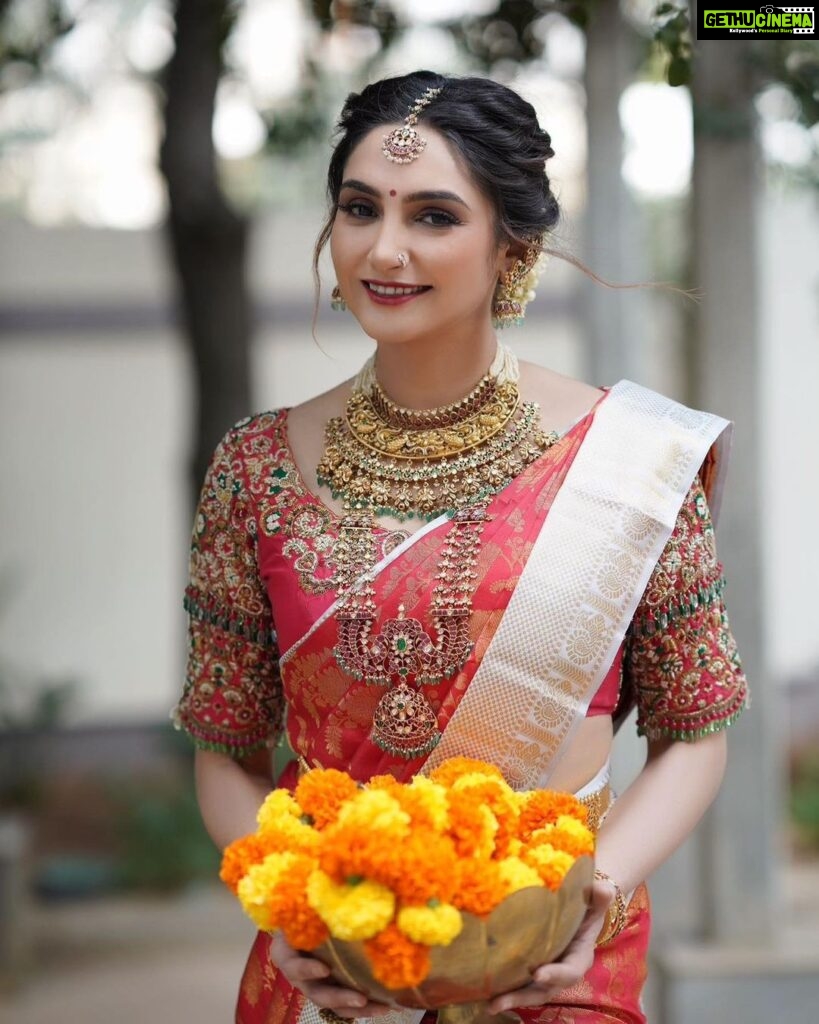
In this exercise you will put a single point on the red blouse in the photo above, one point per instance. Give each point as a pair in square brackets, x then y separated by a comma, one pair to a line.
[678, 661]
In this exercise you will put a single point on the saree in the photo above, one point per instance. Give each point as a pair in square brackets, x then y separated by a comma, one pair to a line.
[597, 575]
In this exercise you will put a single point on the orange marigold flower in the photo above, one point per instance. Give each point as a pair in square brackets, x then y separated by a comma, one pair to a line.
[544, 807]
[239, 857]
[501, 801]
[427, 866]
[568, 835]
[454, 767]
[322, 792]
[302, 926]
[348, 851]
[472, 825]
[480, 886]
[397, 961]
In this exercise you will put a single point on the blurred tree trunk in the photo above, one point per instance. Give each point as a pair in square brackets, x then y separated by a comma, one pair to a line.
[208, 239]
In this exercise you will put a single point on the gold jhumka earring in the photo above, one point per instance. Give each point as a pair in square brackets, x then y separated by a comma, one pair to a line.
[516, 288]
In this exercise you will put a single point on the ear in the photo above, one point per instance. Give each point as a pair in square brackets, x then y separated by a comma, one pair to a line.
[509, 253]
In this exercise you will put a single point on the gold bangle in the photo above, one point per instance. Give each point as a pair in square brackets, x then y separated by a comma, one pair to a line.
[616, 914]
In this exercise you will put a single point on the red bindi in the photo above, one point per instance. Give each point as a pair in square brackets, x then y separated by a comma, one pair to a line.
[393, 192]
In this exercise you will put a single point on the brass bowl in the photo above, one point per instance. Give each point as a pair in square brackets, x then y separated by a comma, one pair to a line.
[491, 955]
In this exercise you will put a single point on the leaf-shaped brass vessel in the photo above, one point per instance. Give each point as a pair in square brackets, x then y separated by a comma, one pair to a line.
[491, 955]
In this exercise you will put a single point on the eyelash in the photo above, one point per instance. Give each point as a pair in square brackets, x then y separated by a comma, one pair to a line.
[349, 208]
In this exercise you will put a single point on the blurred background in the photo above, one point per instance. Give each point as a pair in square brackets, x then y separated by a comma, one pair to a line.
[161, 186]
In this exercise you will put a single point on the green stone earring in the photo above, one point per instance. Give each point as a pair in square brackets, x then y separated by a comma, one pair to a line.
[337, 300]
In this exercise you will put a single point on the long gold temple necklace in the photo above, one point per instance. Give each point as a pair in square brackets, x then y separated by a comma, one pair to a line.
[383, 459]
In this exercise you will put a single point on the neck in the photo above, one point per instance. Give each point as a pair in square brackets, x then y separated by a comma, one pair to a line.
[428, 375]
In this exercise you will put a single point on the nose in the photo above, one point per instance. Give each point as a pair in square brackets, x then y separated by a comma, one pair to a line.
[390, 239]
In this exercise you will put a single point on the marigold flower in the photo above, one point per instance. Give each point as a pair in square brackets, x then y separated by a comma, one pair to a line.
[515, 875]
[544, 807]
[552, 865]
[471, 824]
[480, 886]
[397, 962]
[501, 801]
[239, 857]
[256, 888]
[423, 800]
[373, 809]
[454, 767]
[427, 868]
[322, 792]
[433, 926]
[351, 911]
[278, 805]
[302, 926]
[350, 852]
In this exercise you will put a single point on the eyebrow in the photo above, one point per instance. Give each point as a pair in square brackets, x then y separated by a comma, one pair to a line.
[428, 195]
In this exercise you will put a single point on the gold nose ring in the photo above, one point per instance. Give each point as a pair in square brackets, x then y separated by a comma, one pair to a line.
[402, 259]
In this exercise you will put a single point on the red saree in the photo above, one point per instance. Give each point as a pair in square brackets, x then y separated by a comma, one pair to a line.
[262, 553]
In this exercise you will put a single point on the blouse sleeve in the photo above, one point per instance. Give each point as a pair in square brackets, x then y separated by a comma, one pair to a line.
[681, 657]
[232, 698]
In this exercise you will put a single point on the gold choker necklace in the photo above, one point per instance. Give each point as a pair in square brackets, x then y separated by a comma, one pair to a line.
[423, 462]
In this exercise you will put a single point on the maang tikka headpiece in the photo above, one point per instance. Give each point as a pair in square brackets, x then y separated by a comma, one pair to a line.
[403, 145]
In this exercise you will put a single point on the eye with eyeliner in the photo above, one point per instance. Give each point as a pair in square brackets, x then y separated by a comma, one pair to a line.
[359, 210]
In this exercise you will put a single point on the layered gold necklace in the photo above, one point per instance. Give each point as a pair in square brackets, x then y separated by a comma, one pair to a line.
[421, 463]
[382, 459]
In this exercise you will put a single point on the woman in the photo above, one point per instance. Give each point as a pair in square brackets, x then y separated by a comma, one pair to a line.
[512, 557]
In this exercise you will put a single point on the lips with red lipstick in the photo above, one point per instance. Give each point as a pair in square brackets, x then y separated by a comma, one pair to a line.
[393, 293]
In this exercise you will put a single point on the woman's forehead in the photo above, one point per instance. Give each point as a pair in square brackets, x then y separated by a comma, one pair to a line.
[435, 169]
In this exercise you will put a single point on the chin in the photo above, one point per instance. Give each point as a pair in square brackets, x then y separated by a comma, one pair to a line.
[395, 333]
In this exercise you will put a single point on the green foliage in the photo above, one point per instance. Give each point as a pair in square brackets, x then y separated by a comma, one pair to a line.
[804, 798]
[672, 33]
[163, 843]
[44, 704]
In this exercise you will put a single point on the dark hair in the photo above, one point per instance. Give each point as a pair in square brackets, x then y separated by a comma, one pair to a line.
[492, 130]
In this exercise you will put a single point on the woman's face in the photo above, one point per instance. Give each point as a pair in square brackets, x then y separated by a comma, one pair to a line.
[432, 211]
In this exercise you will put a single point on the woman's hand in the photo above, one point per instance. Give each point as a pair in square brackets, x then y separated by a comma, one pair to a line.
[550, 979]
[310, 975]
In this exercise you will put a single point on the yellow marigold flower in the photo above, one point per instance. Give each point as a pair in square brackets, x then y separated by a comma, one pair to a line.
[280, 824]
[515, 848]
[255, 888]
[582, 838]
[376, 811]
[517, 875]
[278, 806]
[434, 800]
[351, 911]
[551, 864]
[433, 926]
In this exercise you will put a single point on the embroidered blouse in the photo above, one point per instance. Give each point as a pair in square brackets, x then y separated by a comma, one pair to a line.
[679, 657]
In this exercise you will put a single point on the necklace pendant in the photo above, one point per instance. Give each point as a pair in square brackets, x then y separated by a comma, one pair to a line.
[404, 723]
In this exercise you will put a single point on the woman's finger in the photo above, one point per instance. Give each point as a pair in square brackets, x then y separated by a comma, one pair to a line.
[531, 995]
[303, 968]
